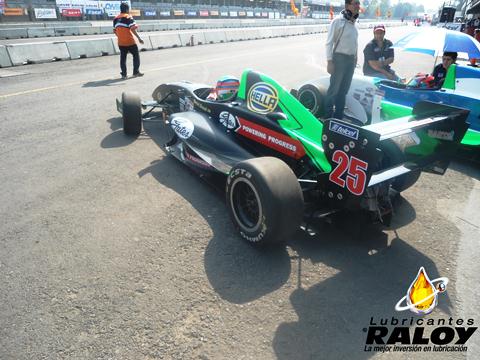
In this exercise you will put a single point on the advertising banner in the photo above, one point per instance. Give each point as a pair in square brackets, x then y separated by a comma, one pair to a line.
[44, 13]
[111, 8]
[265, 14]
[203, 13]
[191, 13]
[214, 13]
[165, 13]
[224, 13]
[90, 11]
[258, 14]
[249, 13]
[242, 13]
[79, 4]
[135, 12]
[271, 15]
[13, 11]
[2, 6]
[150, 13]
[178, 12]
[72, 12]
[233, 14]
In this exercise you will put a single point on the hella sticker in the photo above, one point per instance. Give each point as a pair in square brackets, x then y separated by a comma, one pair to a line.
[262, 98]
[344, 130]
[182, 127]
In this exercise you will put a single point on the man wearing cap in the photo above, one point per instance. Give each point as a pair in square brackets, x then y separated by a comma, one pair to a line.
[125, 27]
[341, 46]
[378, 55]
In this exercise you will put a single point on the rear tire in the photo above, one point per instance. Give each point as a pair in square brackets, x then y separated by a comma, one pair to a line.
[132, 114]
[313, 98]
[394, 157]
[264, 200]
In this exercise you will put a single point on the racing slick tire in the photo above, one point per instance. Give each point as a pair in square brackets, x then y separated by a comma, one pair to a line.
[264, 200]
[131, 114]
[313, 98]
[395, 156]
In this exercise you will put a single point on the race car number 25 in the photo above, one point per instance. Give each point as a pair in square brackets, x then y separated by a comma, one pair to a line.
[356, 176]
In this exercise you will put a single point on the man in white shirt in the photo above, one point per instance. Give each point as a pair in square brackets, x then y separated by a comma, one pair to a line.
[342, 45]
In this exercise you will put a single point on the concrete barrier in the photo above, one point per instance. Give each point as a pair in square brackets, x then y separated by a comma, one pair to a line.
[13, 33]
[266, 33]
[146, 27]
[173, 26]
[4, 57]
[185, 26]
[162, 41]
[106, 29]
[214, 36]
[160, 27]
[40, 32]
[90, 48]
[146, 46]
[21, 54]
[233, 35]
[67, 31]
[89, 30]
[189, 38]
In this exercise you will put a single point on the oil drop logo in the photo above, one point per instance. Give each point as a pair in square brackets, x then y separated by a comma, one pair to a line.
[422, 295]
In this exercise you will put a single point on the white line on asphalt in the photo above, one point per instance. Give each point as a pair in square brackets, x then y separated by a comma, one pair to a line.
[236, 56]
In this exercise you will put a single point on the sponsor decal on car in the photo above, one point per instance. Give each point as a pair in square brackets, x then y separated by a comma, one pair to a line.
[201, 106]
[196, 160]
[227, 119]
[442, 135]
[182, 127]
[186, 104]
[262, 98]
[280, 142]
[344, 130]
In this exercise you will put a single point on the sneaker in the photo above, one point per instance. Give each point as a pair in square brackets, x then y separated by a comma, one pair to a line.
[138, 74]
[123, 76]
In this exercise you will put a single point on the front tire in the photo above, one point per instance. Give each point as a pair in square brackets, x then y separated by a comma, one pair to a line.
[131, 114]
[264, 200]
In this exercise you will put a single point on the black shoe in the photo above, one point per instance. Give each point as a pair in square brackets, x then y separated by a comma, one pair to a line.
[138, 74]
[123, 76]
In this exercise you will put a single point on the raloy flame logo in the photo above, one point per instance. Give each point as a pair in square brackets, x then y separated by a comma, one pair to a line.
[422, 295]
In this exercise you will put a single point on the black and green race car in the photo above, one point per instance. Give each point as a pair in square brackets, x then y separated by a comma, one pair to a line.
[280, 162]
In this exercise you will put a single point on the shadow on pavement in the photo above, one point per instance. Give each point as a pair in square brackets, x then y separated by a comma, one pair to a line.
[373, 276]
[105, 82]
[467, 166]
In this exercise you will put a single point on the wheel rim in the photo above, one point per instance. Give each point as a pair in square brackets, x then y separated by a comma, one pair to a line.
[308, 100]
[246, 205]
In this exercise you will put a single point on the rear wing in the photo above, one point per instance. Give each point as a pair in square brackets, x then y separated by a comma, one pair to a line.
[363, 157]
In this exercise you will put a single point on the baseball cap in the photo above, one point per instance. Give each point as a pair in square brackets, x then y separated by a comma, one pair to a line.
[379, 27]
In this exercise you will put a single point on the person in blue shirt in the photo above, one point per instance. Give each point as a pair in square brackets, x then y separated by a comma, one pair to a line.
[379, 55]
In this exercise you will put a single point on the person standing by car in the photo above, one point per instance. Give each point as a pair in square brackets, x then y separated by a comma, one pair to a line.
[378, 55]
[440, 71]
[342, 45]
[125, 28]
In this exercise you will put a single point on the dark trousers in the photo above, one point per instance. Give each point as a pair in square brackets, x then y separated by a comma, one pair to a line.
[124, 50]
[340, 82]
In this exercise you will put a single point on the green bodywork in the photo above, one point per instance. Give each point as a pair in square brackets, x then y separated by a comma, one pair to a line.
[300, 123]
[392, 111]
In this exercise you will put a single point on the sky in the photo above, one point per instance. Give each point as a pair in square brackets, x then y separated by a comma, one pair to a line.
[428, 4]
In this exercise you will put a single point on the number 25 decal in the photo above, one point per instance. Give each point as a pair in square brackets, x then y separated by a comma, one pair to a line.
[356, 176]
